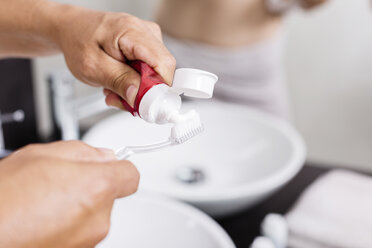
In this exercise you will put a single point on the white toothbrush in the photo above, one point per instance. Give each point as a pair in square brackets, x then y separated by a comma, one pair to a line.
[185, 127]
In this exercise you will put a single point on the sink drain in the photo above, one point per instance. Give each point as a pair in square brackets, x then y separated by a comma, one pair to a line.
[190, 175]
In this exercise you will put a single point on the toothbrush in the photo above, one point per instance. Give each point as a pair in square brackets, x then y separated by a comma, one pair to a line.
[185, 127]
[156, 102]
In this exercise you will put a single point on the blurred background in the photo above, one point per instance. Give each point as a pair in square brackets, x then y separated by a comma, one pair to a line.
[328, 63]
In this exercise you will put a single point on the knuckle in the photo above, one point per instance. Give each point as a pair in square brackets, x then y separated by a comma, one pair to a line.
[99, 193]
[155, 26]
[119, 83]
[171, 61]
[139, 48]
[103, 186]
[79, 145]
[107, 18]
[133, 180]
[130, 20]
[31, 149]
[126, 43]
[74, 142]
[132, 47]
[80, 148]
[88, 67]
[103, 230]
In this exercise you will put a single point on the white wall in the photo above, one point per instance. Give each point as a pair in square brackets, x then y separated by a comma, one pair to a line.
[329, 65]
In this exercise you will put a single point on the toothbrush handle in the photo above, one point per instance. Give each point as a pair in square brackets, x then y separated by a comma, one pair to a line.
[125, 152]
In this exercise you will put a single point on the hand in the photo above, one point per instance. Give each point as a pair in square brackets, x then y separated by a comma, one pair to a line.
[60, 195]
[309, 4]
[97, 44]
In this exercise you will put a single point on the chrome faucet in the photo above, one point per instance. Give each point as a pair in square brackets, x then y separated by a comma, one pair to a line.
[16, 116]
[68, 109]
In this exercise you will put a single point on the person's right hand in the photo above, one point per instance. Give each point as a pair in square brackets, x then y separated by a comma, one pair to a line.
[96, 46]
[60, 195]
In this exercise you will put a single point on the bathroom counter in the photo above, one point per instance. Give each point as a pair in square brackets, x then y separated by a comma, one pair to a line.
[244, 227]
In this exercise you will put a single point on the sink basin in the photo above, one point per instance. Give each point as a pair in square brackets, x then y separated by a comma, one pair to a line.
[143, 221]
[242, 157]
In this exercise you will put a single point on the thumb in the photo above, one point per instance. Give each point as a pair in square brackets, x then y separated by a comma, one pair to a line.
[155, 54]
[125, 177]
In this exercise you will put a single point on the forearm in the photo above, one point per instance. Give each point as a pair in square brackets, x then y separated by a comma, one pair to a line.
[28, 27]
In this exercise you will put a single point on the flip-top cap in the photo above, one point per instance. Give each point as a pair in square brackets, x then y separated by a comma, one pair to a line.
[194, 83]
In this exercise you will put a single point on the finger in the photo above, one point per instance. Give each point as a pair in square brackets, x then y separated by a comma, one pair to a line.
[111, 47]
[106, 92]
[154, 29]
[151, 51]
[124, 177]
[166, 68]
[119, 77]
[95, 227]
[72, 150]
[80, 151]
[112, 99]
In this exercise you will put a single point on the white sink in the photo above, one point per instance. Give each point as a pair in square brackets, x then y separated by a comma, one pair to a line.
[143, 221]
[242, 156]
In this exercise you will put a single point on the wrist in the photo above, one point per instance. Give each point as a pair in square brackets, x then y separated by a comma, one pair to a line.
[47, 18]
[61, 21]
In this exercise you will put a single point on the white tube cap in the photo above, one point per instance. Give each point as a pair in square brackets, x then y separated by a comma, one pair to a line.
[275, 227]
[194, 83]
[262, 242]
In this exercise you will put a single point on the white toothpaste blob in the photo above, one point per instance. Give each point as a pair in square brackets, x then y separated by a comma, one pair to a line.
[185, 126]
[161, 104]
[177, 118]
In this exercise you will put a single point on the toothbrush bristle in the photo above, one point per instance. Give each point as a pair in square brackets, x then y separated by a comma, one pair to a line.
[182, 132]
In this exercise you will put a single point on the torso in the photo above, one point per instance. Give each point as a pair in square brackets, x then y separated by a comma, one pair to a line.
[225, 23]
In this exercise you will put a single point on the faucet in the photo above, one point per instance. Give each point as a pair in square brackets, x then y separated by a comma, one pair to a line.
[68, 109]
[16, 116]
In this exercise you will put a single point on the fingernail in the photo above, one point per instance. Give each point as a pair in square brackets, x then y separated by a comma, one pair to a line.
[131, 94]
[116, 104]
